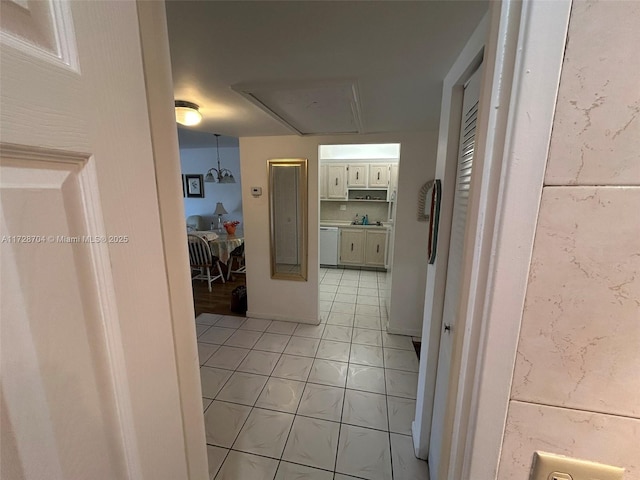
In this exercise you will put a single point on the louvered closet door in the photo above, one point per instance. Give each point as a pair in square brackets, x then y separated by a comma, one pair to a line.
[454, 266]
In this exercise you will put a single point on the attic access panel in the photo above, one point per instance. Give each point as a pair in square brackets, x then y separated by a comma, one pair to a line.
[309, 108]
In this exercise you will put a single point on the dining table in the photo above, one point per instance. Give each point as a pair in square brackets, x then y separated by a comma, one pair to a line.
[221, 243]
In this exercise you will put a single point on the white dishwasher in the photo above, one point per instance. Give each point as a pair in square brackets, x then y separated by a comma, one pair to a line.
[329, 246]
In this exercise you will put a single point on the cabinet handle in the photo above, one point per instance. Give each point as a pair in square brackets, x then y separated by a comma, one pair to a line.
[378, 248]
[378, 175]
[336, 181]
[357, 175]
[352, 247]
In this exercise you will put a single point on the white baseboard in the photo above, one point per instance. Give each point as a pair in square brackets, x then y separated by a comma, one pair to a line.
[412, 332]
[282, 318]
[416, 450]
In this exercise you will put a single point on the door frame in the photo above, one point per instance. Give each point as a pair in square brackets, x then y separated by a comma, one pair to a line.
[154, 41]
[446, 167]
[523, 61]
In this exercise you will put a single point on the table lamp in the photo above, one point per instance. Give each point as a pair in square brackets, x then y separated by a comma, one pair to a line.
[219, 212]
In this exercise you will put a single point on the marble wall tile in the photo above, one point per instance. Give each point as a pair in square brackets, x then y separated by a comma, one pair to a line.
[596, 437]
[580, 336]
[596, 131]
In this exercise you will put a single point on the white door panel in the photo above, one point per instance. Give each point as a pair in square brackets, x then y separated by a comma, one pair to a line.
[454, 265]
[55, 353]
[89, 383]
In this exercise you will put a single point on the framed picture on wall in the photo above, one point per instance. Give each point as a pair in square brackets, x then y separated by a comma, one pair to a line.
[184, 194]
[195, 186]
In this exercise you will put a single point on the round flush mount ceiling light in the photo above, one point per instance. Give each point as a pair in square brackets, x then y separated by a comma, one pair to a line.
[187, 113]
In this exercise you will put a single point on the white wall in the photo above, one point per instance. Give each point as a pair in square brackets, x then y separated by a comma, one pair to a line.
[409, 270]
[198, 161]
[299, 300]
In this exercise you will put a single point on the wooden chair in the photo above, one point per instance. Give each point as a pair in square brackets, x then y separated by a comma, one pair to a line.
[201, 259]
[238, 256]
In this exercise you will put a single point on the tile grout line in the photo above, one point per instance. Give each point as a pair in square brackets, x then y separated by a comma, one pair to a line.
[319, 339]
[344, 398]
[245, 420]
[386, 401]
[295, 415]
[253, 407]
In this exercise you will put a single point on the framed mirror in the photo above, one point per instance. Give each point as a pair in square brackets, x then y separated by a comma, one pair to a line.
[288, 218]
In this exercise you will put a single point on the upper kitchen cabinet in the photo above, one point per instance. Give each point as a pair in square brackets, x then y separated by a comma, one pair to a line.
[379, 175]
[336, 181]
[393, 177]
[357, 175]
[323, 182]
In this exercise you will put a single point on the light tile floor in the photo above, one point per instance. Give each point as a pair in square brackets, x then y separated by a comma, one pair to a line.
[291, 401]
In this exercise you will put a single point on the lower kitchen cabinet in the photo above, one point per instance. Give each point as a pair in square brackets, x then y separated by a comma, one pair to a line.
[352, 246]
[375, 248]
[361, 247]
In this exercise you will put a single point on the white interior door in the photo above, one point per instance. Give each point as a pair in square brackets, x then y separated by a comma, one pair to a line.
[454, 265]
[89, 386]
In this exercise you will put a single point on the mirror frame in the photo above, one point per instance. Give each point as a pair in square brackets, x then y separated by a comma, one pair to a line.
[272, 164]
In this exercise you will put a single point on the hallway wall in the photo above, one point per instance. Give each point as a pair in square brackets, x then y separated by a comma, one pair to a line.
[286, 300]
[576, 388]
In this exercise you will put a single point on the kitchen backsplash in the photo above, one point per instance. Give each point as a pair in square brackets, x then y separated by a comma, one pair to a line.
[376, 211]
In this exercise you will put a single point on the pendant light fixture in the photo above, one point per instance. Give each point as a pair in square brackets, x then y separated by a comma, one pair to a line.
[187, 113]
[223, 175]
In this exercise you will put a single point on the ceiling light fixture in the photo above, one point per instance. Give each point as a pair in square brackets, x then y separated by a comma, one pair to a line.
[223, 175]
[187, 113]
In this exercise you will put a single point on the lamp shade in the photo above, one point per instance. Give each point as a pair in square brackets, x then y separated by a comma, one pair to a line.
[187, 113]
[227, 178]
[220, 209]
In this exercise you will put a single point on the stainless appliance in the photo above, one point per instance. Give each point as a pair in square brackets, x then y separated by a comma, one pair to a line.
[329, 246]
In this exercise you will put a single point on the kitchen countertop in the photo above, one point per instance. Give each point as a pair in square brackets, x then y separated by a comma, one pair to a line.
[343, 224]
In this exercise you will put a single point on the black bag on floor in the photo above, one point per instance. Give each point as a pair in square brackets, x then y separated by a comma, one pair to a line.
[239, 299]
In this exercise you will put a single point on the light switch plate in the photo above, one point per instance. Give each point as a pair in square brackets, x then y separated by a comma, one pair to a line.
[547, 466]
[343, 207]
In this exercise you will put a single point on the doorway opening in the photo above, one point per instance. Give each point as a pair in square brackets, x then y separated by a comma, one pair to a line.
[213, 212]
[357, 202]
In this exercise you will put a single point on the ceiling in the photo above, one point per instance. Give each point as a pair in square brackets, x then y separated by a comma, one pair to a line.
[188, 137]
[395, 54]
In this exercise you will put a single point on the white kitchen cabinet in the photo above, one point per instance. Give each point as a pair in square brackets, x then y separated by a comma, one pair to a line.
[393, 184]
[363, 247]
[352, 246]
[375, 248]
[323, 182]
[393, 177]
[357, 175]
[379, 175]
[336, 181]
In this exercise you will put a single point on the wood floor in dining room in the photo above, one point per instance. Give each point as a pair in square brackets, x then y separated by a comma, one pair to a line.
[218, 300]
